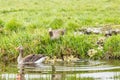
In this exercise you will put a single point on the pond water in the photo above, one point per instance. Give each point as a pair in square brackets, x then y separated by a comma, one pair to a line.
[80, 70]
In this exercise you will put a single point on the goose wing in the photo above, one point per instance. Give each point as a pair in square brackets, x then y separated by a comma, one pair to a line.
[32, 58]
[37, 57]
[58, 32]
[28, 58]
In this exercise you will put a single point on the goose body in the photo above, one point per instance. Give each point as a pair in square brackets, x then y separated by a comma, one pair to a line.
[55, 34]
[32, 58]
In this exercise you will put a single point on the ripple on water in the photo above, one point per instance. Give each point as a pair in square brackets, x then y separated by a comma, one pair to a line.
[97, 70]
[89, 66]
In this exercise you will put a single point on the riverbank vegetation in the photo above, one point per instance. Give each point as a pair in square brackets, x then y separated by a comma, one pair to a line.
[27, 22]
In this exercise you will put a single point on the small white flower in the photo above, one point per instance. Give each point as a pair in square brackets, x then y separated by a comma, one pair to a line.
[100, 48]
[92, 52]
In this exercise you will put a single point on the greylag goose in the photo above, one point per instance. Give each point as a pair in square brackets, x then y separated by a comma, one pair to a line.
[32, 58]
[55, 34]
[108, 33]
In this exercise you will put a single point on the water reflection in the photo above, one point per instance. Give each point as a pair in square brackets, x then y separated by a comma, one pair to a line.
[93, 70]
[21, 74]
[54, 76]
[101, 75]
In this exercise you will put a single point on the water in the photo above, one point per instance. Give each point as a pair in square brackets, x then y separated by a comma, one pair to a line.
[81, 70]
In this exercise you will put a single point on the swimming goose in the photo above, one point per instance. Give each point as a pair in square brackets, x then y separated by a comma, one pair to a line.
[32, 58]
[55, 34]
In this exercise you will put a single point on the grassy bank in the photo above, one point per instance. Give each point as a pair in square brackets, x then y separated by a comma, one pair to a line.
[26, 23]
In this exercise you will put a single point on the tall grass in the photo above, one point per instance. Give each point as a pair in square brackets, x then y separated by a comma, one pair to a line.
[13, 25]
[38, 41]
[112, 46]
[66, 45]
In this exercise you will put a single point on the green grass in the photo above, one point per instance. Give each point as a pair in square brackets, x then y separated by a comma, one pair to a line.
[76, 11]
[26, 23]
[112, 46]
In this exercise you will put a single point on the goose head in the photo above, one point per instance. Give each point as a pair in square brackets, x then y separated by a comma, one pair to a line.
[20, 50]
[50, 32]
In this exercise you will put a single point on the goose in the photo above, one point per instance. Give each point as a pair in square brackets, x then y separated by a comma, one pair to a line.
[108, 33]
[55, 34]
[32, 58]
